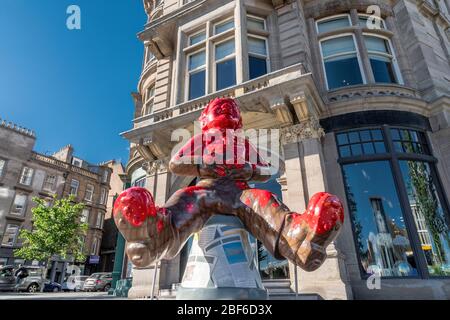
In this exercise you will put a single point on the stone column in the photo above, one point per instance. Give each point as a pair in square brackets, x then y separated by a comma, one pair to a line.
[304, 176]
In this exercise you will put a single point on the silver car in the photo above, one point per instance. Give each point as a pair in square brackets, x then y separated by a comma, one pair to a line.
[32, 283]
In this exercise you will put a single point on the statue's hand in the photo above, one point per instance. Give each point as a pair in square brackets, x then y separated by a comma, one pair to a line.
[231, 171]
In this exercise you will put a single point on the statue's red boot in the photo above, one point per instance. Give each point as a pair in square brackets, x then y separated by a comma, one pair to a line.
[145, 227]
[308, 235]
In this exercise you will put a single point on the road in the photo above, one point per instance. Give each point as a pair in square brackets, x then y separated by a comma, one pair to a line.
[58, 296]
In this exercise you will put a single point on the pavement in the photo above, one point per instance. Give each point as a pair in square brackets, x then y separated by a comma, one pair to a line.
[58, 296]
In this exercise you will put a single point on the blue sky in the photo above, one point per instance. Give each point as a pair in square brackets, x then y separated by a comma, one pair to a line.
[71, 86]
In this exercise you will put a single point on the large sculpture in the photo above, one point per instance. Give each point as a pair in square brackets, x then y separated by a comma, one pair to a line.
[154, 233]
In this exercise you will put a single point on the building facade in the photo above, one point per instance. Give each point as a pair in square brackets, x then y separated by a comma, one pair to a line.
[25, 174]
[360, 91]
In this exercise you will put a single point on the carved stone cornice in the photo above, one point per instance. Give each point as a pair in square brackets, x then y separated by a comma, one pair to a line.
[309, 129]
[156, 167]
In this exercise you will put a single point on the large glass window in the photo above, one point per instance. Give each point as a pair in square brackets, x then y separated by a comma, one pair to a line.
[341, 62]
[342, 59]
[382, 240]
[397, 207]
[225, 61]
[359, 142]
[197, 74]
[429, 215]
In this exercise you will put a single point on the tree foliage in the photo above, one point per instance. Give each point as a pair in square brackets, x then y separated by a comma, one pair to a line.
[56, 231]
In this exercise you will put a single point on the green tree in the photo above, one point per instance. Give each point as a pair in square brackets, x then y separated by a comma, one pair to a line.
[56, 231]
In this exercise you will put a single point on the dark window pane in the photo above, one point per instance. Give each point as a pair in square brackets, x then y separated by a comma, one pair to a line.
[368, 148]
[383, 70]
[226, 74]
[377, 135]
[356, 149]
[379, 147]
[395, 134]
[345, 151]
[365, 135]
[429, 216]
[414, 136]
[197, 85]
[342, 138]
[343, 72]
[380, 231]
[354, 136]
[398, 146]
[408, 147]
[258, 67]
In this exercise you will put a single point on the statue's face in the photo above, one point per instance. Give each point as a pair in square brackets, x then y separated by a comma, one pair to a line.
[222, 114]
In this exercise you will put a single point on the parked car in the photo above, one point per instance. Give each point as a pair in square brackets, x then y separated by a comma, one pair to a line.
[74, 283]
[7, 278]
[31, 283]
[52, 287]
[98, 282]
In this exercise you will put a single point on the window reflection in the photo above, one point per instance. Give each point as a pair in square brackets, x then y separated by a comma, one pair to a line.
[380, 231]
[428, 215]
[269, 267]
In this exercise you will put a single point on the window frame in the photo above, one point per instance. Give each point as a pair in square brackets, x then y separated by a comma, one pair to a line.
[85, 218]
[393, 158]
[222, 22]
[392, 56]
[77, 188]
[149, 100]
[189, 72]
[94, 247]
[226, 58]
[255, 17]
[24, 208]
[3, 169]
[99, 220]
[31, 176]
[333, 17]
[103, 196]
[16, 235]
[204, 31]
[256, 55]
[358, 56]
[44, 187]
[90, 189]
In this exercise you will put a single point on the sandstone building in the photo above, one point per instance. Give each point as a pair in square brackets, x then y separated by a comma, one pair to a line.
[25, 174]
[363, 104]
